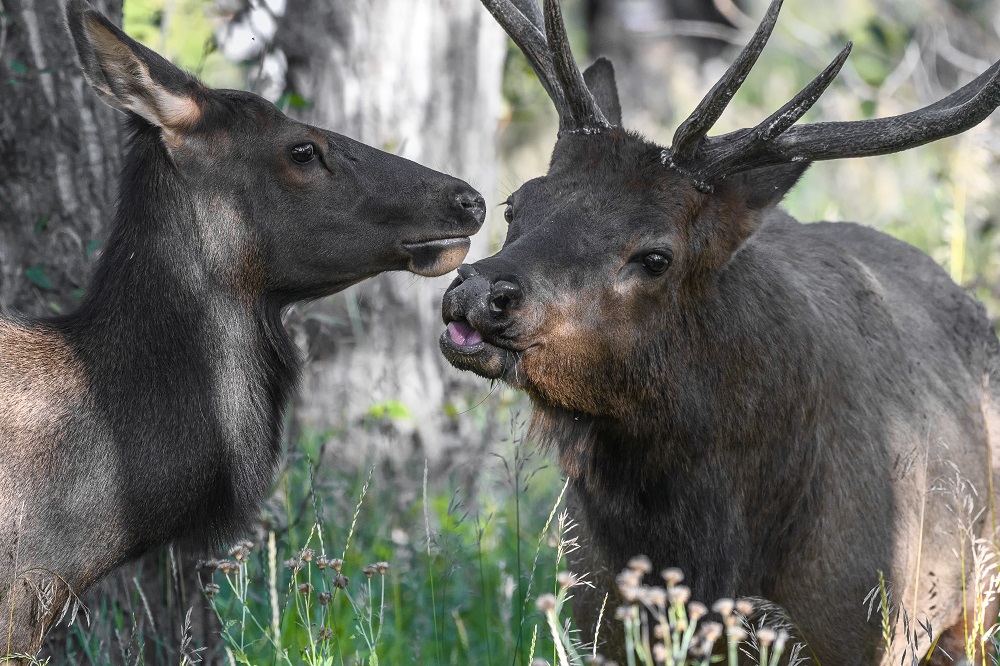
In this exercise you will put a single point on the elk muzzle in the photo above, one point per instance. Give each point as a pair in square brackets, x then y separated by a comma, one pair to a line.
[478, 313]
[438, 256]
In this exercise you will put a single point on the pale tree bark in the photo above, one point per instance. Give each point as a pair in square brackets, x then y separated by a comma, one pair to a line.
[59, 158]
[421, 78]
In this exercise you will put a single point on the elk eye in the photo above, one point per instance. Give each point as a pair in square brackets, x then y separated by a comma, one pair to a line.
[303, 153]
[656, 262]
[508, 213]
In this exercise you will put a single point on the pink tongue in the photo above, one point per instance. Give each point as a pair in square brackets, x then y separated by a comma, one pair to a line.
[463, 335]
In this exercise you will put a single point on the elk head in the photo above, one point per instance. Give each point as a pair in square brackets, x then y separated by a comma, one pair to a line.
[608, 255]
[284, 208]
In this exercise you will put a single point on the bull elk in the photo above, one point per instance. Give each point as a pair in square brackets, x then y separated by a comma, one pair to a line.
[152, 414]
[776, 408]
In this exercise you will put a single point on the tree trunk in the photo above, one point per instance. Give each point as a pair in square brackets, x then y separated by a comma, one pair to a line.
[59, 159]
[421, 78]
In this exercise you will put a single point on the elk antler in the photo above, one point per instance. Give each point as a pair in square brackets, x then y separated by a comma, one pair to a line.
[775, 140]
[544, 43]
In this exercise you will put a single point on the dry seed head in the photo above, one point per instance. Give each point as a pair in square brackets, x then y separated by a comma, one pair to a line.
[566, 580]
[658, 632]
[673, 576]
[640, 564]
[208, 565]
[711, 631]
[325, 634]
[241, 551]
[381, 567]
[724, 607]
[295, 564]
[336, 563]
[305, 588]
[736, 634]
[628, 577]
[680, 594]
[369, 571]
[307, 554]
[660, 652]
[696, 610]
[546, 603]
[731, 620]
[324, 598]
[744, 607]
[225, 566]
[656, 596]
[341, 581]
[321, 562]
[211, 589]
[630, 593]
[627, 612]
[766, 636]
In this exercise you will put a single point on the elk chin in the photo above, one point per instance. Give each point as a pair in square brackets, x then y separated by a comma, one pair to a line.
[466, 350]
[436, 257]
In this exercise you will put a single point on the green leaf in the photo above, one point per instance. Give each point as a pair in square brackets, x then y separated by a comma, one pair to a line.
[37, 276]
[392, 409]
[293, 100]
[40, 224]
[93, 246]
[18, 67]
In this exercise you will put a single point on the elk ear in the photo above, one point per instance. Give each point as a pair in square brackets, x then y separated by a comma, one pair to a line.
[600, 79]
[129, 76]
[762, 188]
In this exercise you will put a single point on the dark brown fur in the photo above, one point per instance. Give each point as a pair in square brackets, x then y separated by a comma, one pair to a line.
[775, 413]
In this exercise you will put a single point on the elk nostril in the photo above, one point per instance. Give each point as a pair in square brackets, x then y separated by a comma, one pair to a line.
[504, 296]
[473, 203]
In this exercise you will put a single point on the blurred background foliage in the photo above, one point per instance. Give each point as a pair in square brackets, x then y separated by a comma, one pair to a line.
[462, 546]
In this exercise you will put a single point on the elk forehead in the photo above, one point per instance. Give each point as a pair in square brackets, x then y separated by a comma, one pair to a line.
[604, 199]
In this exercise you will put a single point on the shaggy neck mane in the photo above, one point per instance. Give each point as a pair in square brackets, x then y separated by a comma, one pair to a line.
[181, 369]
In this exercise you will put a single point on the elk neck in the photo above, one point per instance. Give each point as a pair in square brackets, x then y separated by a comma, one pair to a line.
[687, 482]
[186, 365]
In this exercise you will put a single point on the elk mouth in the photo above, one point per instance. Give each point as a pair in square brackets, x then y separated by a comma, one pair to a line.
[431, 258]
[466, 348]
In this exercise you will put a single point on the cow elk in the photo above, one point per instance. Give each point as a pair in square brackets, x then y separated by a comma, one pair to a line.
[779, 409]
[152, 414]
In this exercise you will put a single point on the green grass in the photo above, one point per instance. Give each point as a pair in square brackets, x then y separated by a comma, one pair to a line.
[460, 563]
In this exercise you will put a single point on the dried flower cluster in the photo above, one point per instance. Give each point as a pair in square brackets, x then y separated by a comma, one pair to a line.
[681, 629]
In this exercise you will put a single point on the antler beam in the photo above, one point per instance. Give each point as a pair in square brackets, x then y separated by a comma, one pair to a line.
[689, 135]
[777, 140]
[543, 40]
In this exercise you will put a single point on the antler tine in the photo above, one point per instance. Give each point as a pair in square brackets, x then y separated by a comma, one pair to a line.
[522, 20]
[584, 112]
[722, 153]
[688, 136]
[956, 113]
